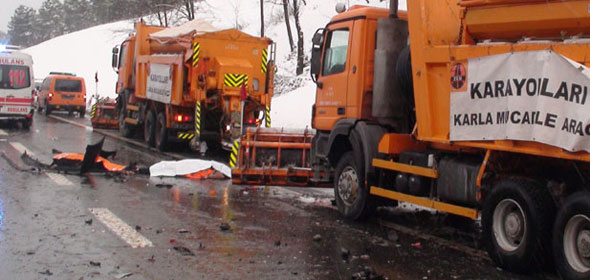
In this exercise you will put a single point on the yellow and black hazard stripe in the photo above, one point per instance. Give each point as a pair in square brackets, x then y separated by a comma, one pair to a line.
[198, 120]
[93, 111]
[264, 68]
[196, 53]
[185, 135]
[267, 116]
[235, 80]
[233, 157]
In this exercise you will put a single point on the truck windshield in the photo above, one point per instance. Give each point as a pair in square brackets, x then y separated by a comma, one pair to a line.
[14, 77]
[68, 85]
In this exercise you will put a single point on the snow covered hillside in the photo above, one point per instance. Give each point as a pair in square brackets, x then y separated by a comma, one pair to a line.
[88, 51]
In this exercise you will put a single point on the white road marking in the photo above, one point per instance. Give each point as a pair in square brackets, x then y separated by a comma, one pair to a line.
[120, 228]
[21, 149]
[59, 179]
[3, 133]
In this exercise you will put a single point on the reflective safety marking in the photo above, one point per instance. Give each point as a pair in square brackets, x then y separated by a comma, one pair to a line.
[120, 228]
[264, 68]
[198, 119]
[93, 111]
[235, 80]
[196, 53]
[59, 179]
[3, 133]
[21, 149]
[233, 158]
[267, 116]
[185, 136]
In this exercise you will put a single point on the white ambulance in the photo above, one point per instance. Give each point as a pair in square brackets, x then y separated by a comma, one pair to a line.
[17, 87]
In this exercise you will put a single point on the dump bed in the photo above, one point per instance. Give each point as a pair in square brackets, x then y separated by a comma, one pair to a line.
[510, 80]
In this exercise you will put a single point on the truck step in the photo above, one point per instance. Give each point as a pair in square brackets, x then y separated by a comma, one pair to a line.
[132, 107]
[131, 121]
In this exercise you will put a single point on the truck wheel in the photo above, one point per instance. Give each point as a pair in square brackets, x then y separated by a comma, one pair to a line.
[124, 128]
[161, 135]
[571, 237]
[149, 128]
[517, 217]
[350, 190]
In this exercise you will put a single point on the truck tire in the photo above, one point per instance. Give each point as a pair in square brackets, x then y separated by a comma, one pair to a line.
[350, 190]
[161, 132]
[149, 128]
[571, 237]
[517, 220]
[124, 128]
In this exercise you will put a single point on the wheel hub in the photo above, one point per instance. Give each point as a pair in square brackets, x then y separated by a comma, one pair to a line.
[584, 243]
[509, 225]
[576, 243]
[513, 225]
[348, 185]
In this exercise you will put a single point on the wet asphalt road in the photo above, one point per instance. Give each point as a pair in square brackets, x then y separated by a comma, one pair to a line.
[47, 230]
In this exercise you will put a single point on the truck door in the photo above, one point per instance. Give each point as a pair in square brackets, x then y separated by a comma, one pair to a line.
[125, 71]
[333, 77]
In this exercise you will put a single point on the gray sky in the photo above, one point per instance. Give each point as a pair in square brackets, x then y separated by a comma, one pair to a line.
[8, 7]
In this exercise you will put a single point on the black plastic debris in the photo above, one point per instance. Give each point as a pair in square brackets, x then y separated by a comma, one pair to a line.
[224, 227]
[183, 251]
[88, 222]
[94, 263]
[46, 272]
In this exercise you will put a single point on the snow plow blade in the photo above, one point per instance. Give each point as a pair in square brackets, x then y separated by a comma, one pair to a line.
[273, 156]
[103, 114]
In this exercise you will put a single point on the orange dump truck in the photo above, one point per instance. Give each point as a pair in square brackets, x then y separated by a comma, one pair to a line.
[192, 83]
[488, 120]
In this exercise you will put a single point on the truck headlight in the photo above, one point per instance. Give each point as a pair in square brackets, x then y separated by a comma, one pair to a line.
[255, 84]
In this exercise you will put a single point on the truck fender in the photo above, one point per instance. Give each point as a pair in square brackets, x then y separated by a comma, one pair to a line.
[365, 137]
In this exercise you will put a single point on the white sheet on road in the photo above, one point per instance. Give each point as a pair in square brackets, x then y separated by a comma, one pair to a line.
[187, 166]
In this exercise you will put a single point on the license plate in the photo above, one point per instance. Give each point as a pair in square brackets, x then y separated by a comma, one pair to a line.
[67, 96]
[15, 110]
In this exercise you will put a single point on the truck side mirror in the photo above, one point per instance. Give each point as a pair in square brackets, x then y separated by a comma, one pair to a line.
[316, 53]
[115, 61]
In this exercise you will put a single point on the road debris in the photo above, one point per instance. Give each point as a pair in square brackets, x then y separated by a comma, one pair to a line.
[182, 230]
[224, 227]
[88, 222]
[124, 275]
[317, 237]
[138, 228]
[183, 251]
[92, 263]
[46, 272]
[416, 245]
[344, 254]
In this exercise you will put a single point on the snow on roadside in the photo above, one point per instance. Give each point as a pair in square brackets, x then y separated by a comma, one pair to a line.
[293, 110]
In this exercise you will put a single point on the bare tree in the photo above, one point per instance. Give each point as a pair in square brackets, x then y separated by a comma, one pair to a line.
[286, 8]
[300, 51]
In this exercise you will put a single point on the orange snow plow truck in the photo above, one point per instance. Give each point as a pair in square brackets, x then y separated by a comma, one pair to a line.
[192, 84]
[488, 120]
